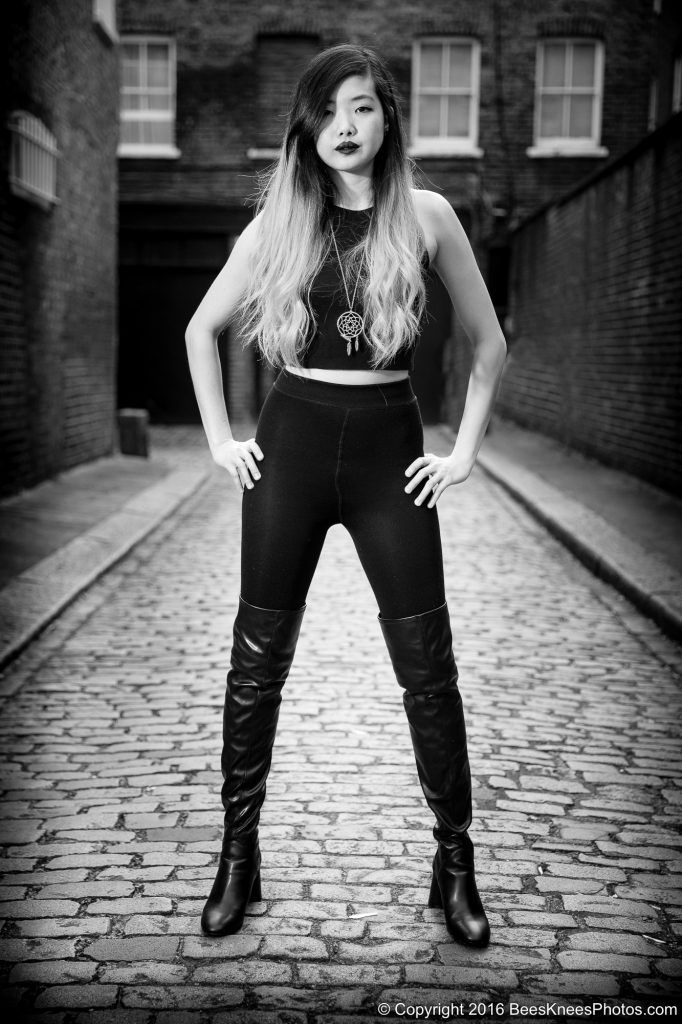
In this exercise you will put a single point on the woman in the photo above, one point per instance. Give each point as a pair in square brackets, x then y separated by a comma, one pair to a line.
[328, 281]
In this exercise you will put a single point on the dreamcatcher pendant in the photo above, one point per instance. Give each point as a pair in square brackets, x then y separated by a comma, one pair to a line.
[349, 326]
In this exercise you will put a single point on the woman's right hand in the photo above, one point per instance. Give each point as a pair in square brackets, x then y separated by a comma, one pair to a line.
[237, 457]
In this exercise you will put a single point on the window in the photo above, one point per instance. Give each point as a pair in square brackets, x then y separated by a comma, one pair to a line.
[147, 97]
[653, 105]
[33, 160]
[677, 84]
[568, 95]
[104, 17]
[445, 84]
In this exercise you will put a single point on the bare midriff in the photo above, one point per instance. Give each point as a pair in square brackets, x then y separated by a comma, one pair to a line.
[350, 376]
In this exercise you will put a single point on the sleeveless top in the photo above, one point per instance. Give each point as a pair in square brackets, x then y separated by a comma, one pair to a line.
[326, 348]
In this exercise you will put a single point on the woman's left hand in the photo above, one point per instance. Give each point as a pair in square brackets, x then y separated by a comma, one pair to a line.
[438, 473]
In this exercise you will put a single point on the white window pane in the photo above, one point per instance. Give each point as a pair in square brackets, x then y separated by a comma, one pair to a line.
[431, 65]
[131, 132]
[580, 117]
[131, 52]
[429, 115]
[130, 101]
[458, 116]
[460, 66]
[157, 52]
[130, 74]
[554, 64]
[158, 69]
[159, 132]
[550, 116]
[158, 102]
[583, 64]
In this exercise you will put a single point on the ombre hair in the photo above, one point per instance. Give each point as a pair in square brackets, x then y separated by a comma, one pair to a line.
[294, 237]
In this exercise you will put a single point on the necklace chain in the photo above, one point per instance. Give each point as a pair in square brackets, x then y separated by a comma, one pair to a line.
[350, 324]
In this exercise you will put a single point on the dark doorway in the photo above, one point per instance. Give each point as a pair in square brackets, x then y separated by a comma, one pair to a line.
[162, 278]
[156, 305]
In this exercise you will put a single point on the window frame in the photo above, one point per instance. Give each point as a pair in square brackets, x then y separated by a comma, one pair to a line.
[676, 98]
[143, 150]
[562, 145]
[34, 160]
[446, 145]
[104, 19]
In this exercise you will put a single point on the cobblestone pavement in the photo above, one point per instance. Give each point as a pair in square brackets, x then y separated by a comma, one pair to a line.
[111, 817]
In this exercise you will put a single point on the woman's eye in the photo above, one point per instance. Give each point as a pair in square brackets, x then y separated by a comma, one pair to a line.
[366, 108]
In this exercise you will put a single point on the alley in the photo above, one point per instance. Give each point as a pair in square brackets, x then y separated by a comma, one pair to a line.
[112, 823]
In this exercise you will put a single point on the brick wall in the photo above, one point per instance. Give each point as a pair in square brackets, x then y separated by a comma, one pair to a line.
[58, 281]
[596, 313]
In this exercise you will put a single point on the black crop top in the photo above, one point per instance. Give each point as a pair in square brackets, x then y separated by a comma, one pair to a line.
[327, 349]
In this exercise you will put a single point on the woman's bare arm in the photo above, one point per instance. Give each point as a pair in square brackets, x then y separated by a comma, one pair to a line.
[214, 312]
[456, 265]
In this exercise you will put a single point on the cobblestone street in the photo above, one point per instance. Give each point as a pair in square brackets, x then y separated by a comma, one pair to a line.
[112, 818]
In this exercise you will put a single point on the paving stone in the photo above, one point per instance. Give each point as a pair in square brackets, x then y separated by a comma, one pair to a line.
[18, 909]
[190, 997]
[58, 926]
[574, 983]
[575, 960]
[19, 950]
[200, 948]
[133, 905]
[315, 999]
[53, 972]
[294, 947]
[455, 977]
[147, 948]
[243, 972]
[392, 952]
[87, 996]
[608, 942]
[144, 973]
[117, 1015]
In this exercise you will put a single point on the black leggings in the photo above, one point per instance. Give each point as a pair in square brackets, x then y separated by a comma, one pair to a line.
[336, 453]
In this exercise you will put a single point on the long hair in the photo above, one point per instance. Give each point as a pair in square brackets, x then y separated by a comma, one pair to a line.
[294, 237]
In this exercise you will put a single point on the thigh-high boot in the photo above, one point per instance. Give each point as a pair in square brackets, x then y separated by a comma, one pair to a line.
[262, 651]
[420, 647]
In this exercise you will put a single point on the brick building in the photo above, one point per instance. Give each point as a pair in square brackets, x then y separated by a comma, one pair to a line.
[595, 323]
[58, 212]
[508, 105]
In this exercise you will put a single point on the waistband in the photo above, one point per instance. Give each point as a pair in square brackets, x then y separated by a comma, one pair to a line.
[347, 396]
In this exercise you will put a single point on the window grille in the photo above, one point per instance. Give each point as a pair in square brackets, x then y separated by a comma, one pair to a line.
[445, 94]
[33, 159]
[569, 93]
[147, 97]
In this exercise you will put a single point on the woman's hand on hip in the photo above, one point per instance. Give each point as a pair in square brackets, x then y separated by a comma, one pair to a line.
[436, 474]
[239, 459]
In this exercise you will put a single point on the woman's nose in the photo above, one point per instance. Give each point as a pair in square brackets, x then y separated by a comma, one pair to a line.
[344, 125]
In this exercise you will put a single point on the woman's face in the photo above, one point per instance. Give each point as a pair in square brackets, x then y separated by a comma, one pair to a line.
[353, 127]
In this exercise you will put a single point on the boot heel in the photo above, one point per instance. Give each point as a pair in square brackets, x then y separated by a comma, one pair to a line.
[256, 896]
[435, 898]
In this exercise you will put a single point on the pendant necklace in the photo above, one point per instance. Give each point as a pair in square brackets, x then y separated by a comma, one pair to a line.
[350, 324]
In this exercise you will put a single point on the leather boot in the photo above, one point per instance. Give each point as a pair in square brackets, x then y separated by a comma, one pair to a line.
[420, 647]
[262, 652]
